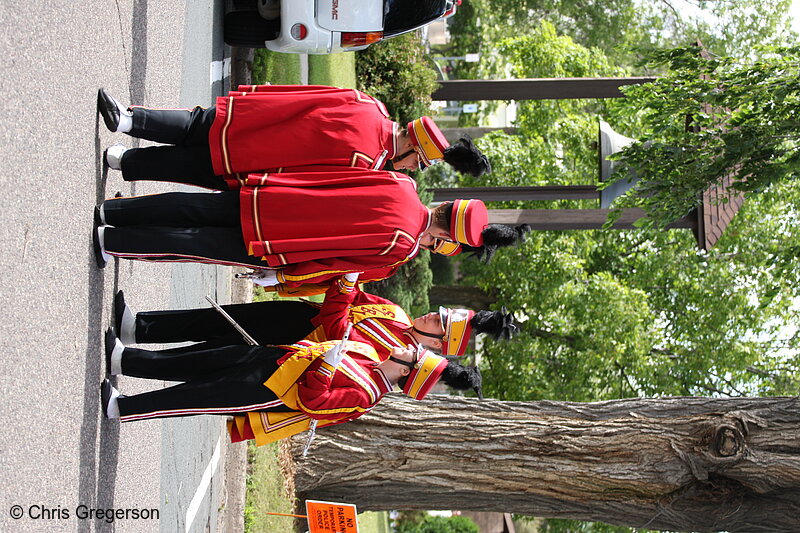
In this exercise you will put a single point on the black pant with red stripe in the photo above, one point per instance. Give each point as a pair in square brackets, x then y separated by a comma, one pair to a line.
[223, 381]
[277, 322]
[187, 161]
[178, 226]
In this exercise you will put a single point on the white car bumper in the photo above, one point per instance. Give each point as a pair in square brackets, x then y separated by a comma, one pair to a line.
[317, 41]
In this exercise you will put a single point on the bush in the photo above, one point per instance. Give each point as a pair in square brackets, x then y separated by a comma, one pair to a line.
[438, 524]
[398, 73]
[442, 269]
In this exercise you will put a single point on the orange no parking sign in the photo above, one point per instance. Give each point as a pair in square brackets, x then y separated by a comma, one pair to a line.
[331, 517]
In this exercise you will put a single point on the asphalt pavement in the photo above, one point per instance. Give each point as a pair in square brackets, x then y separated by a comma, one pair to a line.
[62, 465]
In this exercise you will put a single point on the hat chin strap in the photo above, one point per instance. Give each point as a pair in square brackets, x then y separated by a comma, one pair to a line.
[404, 363]
[403, 155]
[426, 334]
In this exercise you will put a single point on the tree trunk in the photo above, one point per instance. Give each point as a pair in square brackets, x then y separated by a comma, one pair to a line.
[534, 89]
[680, 464]
[507, 194]
[459, 296]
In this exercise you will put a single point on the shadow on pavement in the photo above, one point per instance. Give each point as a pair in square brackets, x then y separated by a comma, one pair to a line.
[98, 480]
[92, 491]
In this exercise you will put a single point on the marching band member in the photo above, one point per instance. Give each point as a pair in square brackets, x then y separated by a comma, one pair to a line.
[301, 227]
[279, 128]
[274, 392]
[376, 321]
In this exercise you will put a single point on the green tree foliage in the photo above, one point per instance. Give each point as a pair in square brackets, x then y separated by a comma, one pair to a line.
[480, 24]
[618, 314]
[611, 314]
[398, 73]
[543, 53]
[727, 27]
[748, 116]
[583, 333]
[554, 145]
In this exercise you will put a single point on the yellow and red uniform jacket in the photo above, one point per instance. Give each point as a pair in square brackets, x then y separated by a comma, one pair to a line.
[321, 286]
[315, 390]
[376, 321]
[272, 127]
[318, 225]
[322, 283]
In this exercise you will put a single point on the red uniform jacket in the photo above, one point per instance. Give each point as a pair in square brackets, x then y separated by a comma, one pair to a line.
[376, 321]
[270, 127]
[319, 225]
[347, 392]
[314, 389]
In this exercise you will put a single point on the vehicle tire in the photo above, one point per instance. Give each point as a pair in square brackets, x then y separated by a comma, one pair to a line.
[248, 29]
[244, 5]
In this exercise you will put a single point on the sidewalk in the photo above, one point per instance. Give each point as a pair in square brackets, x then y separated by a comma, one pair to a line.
[231, 514]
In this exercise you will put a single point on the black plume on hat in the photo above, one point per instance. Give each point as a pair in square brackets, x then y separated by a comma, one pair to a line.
[465, 157]
[463, 377]
[498, 324]
[497, 236]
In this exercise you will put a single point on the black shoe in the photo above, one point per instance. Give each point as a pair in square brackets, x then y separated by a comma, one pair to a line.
[97, 220]
[110, 342]
[109, 109]
[98, 252]
[119, 310]
[105, 396]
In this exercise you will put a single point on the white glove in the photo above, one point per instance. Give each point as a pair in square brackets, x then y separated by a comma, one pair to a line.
[265, 278]
[334, 356]
[347, 283]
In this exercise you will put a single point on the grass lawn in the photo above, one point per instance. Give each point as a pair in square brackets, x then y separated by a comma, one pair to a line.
[265, 492]
[275, 68]
[371, 522]
[260, 295]
[338, 70]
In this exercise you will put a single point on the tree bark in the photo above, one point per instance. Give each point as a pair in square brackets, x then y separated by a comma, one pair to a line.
[578, 219]
[534, 89]
[460, 296]
[504, 194]
[680, 464]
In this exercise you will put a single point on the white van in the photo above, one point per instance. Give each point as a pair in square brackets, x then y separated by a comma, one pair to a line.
[326, 26]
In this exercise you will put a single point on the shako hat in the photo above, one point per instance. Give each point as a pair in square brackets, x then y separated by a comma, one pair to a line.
[425, 374]
[457, 325]
[428, 140]
[468, 220]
